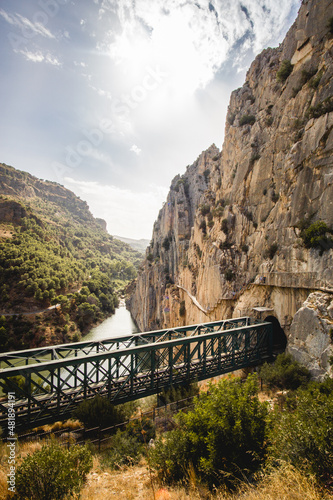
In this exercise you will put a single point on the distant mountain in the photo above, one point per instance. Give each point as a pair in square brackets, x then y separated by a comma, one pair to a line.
[139, 245]
[53, 251]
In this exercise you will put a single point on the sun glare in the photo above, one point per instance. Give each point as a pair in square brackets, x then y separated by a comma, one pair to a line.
[179, 43]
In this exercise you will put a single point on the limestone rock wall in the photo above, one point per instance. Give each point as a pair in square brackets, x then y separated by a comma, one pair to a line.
[311, 334]
[228, 233]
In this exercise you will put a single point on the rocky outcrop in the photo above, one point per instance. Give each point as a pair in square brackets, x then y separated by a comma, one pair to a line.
[101, 223]
[12, 211]
[230, 232]
[311, 334]
[24, 186]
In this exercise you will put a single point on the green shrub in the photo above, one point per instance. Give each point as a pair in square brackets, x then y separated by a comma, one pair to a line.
[225, 244]
[247, 120]
[178, 393]
[274, 197]
[222, 439]
[98, 412]
[203, 226]
[273, 248]
[143, 429]
[315, 80]
[182, 308]
[166, 243]
[245, 248]
[315, 235]
[206, 175]
[126, 450]
[248, 214]
[284, 71]
[330, 24]
[229, 275]
[320, 109]
[255, 157]
[306, 75]
[204, 210]
[303, 437]
[284, 373]
[224, 226]
[53, 473]
[218, 211]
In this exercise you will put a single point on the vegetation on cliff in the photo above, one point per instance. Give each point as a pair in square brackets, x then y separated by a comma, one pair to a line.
[53, 252]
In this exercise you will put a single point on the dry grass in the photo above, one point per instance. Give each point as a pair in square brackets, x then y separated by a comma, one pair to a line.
[69, 424]
[285, 483]
[5, 233]
[133, 483]
[22, 450]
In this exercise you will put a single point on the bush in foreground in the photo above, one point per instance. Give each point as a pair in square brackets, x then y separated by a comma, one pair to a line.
[303, 436]
[284, 373]
[52, 473]
[100, 412]
[125, 449]
[222, 440]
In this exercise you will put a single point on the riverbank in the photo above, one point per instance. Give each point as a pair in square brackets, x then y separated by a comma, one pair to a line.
[57, 325]
[120, 323]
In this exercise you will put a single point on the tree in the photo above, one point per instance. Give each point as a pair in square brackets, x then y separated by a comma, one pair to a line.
[223, 438]
[284, 71]
[98, 412]
[284, 373]
[303, 437]
[53, 473]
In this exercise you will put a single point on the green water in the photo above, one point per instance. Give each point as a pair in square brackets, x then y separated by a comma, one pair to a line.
[120, 323]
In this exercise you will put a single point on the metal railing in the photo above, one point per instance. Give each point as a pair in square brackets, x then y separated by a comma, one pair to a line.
[49, 389]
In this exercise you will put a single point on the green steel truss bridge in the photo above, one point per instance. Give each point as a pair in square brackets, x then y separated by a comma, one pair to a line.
[48, 383]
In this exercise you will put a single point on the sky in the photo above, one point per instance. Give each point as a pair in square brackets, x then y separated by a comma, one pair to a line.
[112, 99]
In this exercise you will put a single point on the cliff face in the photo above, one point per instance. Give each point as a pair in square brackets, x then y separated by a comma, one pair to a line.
[229, 235]
[23, 186]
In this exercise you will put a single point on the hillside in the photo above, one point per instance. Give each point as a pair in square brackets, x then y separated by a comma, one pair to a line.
[251, 225]
[138, 245]
[53, 251]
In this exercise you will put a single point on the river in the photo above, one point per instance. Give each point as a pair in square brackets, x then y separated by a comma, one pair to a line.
[120, 323]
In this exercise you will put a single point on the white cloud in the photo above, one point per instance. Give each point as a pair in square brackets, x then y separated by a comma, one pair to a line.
[127, 213]
[153, 72]
[39, 57]
[101, 92]
[81, 64]
[190, 40]
[177, 115]
[28, 28]
[135, 149]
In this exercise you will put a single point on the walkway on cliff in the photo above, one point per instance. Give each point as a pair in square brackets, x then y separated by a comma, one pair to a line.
[194, 300]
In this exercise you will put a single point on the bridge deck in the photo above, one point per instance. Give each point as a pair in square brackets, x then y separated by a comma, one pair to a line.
[48, 383]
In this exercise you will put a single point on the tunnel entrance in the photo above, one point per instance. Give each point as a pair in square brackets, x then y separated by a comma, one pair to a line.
[279, 337]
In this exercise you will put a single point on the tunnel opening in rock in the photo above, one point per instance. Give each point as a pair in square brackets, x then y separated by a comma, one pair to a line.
[279, 337]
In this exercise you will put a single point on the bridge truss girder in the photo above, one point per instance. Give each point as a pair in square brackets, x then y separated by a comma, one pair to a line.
[51, 389]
